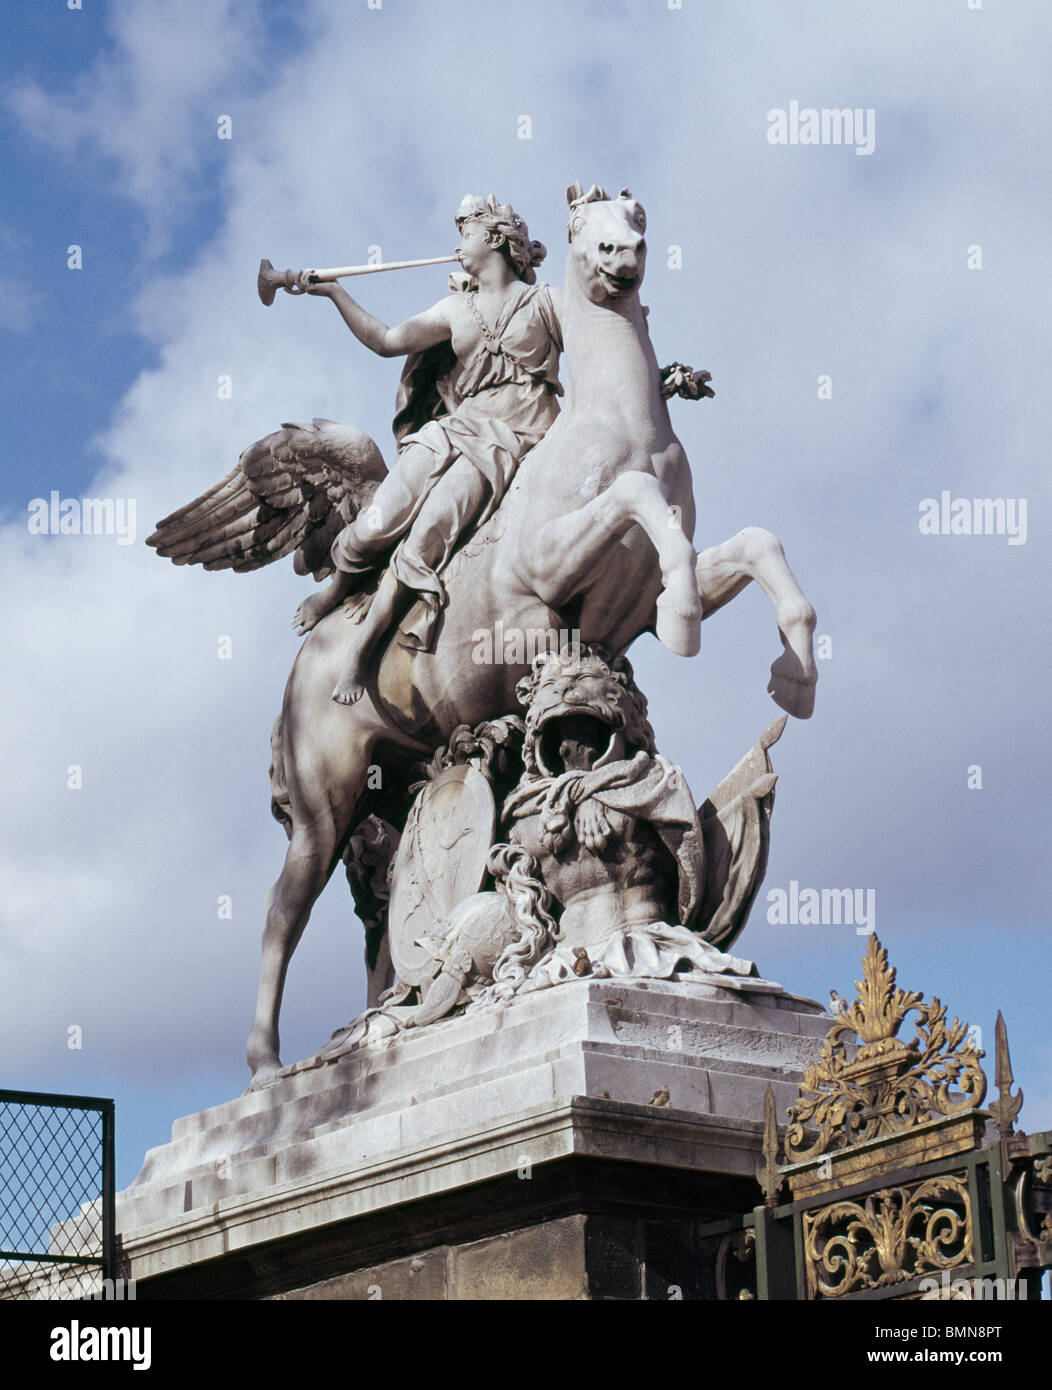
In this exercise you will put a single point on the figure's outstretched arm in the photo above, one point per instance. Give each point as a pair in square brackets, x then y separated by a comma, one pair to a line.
[421, 331]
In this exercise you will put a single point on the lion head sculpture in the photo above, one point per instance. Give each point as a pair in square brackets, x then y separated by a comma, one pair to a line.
[582, 681]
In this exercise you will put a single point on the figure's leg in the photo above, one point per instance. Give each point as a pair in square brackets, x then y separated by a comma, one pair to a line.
[375, 529]
[561, 557]
[449, 509]
[724, 570]
[350, 687]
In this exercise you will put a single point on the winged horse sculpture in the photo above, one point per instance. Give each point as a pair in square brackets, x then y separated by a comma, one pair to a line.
[594, 534]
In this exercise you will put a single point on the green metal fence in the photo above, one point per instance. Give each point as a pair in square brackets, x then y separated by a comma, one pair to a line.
[57, 1235]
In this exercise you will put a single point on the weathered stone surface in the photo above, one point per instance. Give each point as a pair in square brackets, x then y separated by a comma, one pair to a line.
[499, 1103]
[541, 1262]
[583, 1257]
[713, 1047]
[420, 1277]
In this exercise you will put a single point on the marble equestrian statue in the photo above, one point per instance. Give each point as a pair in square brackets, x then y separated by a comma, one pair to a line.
[584, 523]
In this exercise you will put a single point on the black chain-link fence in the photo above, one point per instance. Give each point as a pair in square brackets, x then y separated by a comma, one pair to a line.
[56, 1196]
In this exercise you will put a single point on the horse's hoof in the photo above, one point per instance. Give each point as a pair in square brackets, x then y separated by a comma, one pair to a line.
[264, 1076]
[680, 632]
[792, 691]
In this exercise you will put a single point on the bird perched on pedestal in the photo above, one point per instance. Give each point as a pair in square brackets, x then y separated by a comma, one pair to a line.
[837, 1003]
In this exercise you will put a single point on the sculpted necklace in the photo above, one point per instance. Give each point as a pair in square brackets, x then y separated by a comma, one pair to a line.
[493, 342]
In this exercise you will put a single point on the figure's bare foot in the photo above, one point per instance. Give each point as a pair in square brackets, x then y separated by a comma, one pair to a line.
[349, 688]
[348, 693]
[794, 674]
[312, 610]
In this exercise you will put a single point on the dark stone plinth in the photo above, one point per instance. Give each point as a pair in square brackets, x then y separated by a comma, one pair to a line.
[581, 1226]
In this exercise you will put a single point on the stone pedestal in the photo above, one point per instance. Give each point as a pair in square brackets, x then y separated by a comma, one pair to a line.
[566, 1146]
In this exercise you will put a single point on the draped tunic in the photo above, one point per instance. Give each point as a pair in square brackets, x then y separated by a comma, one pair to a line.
[485, 398]
[490, 402]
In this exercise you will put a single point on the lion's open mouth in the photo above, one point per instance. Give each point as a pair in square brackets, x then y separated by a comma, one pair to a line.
[585, 729]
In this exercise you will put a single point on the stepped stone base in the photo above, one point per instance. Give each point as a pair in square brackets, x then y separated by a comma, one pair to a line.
[507, 1154]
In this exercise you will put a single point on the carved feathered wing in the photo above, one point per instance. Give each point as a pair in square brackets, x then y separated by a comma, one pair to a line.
[736, 825]
[294, 490]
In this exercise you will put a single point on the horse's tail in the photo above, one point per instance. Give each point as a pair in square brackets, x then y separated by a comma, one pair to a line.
[280, 801]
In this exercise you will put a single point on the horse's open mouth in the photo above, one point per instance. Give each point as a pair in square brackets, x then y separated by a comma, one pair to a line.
[618, 284]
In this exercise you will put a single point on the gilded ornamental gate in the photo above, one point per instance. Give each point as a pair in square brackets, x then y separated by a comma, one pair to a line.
[895, 1183]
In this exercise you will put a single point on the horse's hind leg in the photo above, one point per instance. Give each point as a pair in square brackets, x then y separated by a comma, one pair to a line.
[308, 866]
[755, 554]
[565, 554]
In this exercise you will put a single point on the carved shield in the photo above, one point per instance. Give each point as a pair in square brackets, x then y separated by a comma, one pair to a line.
[441, 860]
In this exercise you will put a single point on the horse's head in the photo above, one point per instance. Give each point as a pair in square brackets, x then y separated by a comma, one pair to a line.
[608, 251]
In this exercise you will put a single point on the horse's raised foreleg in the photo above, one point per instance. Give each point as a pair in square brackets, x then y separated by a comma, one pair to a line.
[754, 554]
[563, 556]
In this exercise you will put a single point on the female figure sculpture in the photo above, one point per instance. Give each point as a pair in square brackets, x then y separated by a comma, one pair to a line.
[497, 387]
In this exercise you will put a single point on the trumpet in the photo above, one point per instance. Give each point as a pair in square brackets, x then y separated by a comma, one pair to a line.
[269, 280]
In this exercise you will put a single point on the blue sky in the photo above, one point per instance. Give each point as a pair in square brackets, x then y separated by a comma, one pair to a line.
[353, 127]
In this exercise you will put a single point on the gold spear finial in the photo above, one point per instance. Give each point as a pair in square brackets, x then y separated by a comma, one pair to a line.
[1005, 1109]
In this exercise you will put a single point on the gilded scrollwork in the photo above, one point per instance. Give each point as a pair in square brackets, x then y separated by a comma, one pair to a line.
[887, 1086]
[1031, 1185]
[888, 1237]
